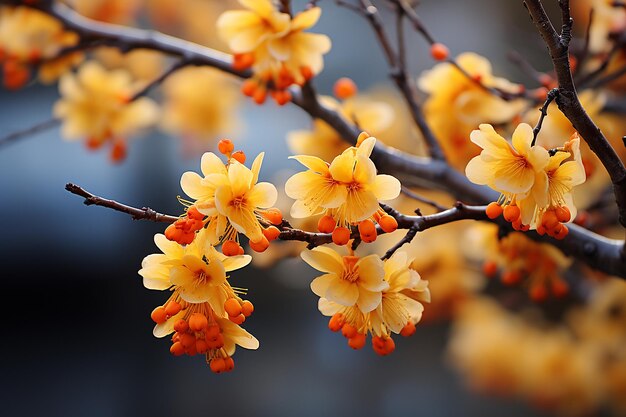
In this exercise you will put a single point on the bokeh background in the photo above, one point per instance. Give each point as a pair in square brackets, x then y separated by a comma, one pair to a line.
[77, 338]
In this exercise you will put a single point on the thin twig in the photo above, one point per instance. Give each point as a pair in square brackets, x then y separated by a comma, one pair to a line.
[29, 131]
[410, 193]
[552, 94]
[156, 82]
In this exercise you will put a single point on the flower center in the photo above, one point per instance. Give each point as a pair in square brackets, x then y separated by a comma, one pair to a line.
[350, 271]
[238, 202]
[202, 278]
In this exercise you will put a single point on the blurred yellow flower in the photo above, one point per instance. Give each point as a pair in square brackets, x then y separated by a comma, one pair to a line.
[456, 104]
[94, 104]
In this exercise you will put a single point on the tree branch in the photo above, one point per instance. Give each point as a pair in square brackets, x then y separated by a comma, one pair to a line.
[568, 102]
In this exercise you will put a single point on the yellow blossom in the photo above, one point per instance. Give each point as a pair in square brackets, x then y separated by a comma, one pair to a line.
[242, 198]
[186, 110]
[457, 104]
[111, 11]
[95, 104]
[348, 280]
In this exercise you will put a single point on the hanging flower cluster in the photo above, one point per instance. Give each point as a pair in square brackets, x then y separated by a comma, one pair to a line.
[203, 311]
[97, 104]
[275, 46]
[347, 191]
[29, 37]
[368, 296]
[536, 185]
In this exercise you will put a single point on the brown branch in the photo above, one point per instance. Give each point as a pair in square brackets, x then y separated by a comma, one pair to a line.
[158, 81]
[568, 102]
[409, 193]
[552, 94]
[144, 213]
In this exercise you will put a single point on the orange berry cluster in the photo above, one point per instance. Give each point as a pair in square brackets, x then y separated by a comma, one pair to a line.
[196, 335]
[552, 222]
[275, 84]
[382, 345]
[15, 74]
[183, 230]
[511, 214]
[367, 228]
[238, 310]
[226, 148]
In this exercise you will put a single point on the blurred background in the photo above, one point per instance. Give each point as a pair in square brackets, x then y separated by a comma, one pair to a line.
[80, 342]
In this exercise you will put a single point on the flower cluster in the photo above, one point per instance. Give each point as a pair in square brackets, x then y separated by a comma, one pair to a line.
[228, 200]
[368, 295]
[204, 311]
[275, 46]
[29, 37]
[97, 104]
[535, 183]
[347, 191]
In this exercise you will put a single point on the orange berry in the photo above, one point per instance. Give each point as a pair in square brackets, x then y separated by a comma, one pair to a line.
[281, 97]
[357, 341]
[561, 233]
[177, 349]
[187, 340]
[341, 236]
[202, 346]
[259, 96]
[541, 230]
[271, 233]
[493, 210]
[239, 156]
[118, 151]
[549, 220]
[194, 214]
[172, 308]
[225, 146]
[388, 223]
[198, 322]
[230, 248]
[559, 288]
[216, 342]
[511, 213]
[159, 315]
[563, 214]
[344, 88]
[237, 319]
[247, 308]
[232, 307]
[218, 365]
[367, 229]
[181, 326]
[390, 345]
[538, 293]
[260, 245]
[511, 277]
[273, 215]
[307, 73]
[517, 224]
[212, 332]
[172, 232]
[243, 61]
[326, 224]
[249, 87]
[241, 251]
[408, 329]
[348, 330]
[490, 268]
[439, 51]
[229, 364]
[336, 322]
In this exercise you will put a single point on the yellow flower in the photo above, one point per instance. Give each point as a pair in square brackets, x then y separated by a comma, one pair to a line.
[245, 30]
[145, 65]
[348, 280]
[29, 36]
[94, 104]
[314, 190]
[349, 189]
[508, 169]
[242, 198]
[112, 11]
[202, 189]
[553, 186]
[186, 110]
[274, 45]
[456, 104]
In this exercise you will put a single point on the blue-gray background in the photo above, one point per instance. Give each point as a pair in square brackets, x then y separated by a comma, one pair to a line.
[77, 337]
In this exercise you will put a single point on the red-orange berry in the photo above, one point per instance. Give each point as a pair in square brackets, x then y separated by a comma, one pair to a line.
[493, 210]
[439, 51]
[344, 88]
[357, 341]
[159, 315]
[336, 322]
[198, 322]
[490, 268]
[239, 156]
[271, 233]
[388, 223]
[408, 329]
[326, 224]
[273, 215]
[511, 213]
[225, 146]
[230, 248]
[341, 236]
[261, 245]
[232, 307]
[247, 308]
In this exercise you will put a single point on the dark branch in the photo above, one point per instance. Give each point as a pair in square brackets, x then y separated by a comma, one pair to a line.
[552, 94]
[29, 131]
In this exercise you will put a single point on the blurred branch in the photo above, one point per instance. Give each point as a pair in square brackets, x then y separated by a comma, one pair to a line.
[29, 131]
[568, 102]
